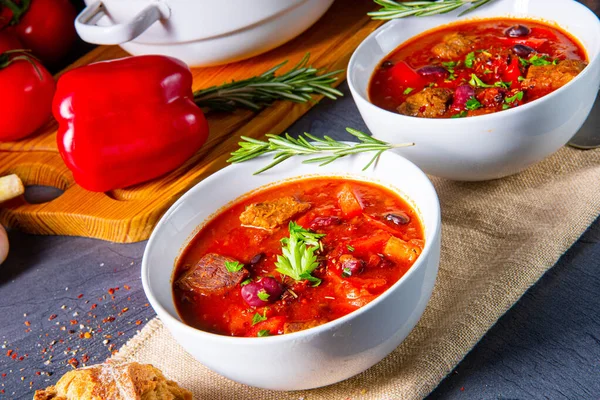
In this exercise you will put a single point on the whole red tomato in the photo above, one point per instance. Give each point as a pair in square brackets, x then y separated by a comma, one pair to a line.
[46, 27]
[27, 91]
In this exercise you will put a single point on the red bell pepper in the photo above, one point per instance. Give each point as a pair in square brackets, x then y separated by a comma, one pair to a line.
[127, 121]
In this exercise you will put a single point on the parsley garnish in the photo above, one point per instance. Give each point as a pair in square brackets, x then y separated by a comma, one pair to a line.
[298, 259]
[247, 281]
[407, 90]
[350, 248]
[263, 332]
[449, 64]
[520, 79]
[346, 272]
[538, 61]
[476, 82]
[473, 104]
[263, 295]
[505, 106]
[259, 318]
[487, 71]
[469, 59]
[461, 114]
[233, 266]
[518, 96]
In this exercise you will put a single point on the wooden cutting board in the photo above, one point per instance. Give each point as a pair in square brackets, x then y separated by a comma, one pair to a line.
[129, 215]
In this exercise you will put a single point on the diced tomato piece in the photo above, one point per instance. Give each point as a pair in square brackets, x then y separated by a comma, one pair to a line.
[371, 244]
[543, 33]
[406, 77]
[512, 72]
[348, 202]
[274, 325]
[400, 251]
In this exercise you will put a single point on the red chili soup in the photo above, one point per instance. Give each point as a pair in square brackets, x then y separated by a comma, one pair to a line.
[476, 67]
[295, 256]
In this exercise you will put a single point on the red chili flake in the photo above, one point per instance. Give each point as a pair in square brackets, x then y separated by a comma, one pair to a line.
[111, 291]
[138, 322]
[85, 358]
[147, 305]
[73, 362]
[462, 389]
[53, 316]
[4, 375]
[2, 391]
[27, 323]
[8, 353]
[73, 322]
[38, 373]
[21, 358]
[127, 287]
[80, 296]
[14, 356]
[125, 310]
[93, 306]
[108, 319]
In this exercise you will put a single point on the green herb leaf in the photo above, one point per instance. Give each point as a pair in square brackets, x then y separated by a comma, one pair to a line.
[263, 332]
[298, 85]
[449, 64]
[259, 318]
[505, 106]
[473, 104]
[284, 147]
[298, 259]
[469, 59]
[392, 9]
[539, 61]
[461, 114]
[517, 97]
[521, 78]
[500, 84]
[263, 295]
[407, 90]
[487, 71]
[247, 281]
[350, 248]
[233, 266]
[476, 82]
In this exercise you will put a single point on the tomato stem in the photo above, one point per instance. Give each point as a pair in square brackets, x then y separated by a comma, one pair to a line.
[21, 54]
[18, 10]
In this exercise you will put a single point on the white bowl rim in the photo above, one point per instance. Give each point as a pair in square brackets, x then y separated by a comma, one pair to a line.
[491, 116]
[165, 314]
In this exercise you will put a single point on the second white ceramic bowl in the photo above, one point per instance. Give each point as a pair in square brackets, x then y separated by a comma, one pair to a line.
[198, 32]
[318, 356]
[494, 145]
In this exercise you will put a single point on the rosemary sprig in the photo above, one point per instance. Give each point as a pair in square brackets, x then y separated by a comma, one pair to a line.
[392, 9]
[297, 85]
[284, 147]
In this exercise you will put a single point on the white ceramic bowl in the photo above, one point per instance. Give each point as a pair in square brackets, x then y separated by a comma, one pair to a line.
[199, 32]
[318, 356]
[494, 145]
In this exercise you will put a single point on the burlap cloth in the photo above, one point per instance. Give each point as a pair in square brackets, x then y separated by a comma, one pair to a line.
[499, 238]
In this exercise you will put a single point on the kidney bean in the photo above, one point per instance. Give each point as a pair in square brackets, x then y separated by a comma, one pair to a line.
[398, 218]
[321, 222]
[268, 285]
[461, 95]
[522, 51]
[350, 265]
[433, 71]
[257, 258]
[517, 31]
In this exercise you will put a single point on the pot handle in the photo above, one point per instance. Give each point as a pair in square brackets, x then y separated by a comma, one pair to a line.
[86, 27]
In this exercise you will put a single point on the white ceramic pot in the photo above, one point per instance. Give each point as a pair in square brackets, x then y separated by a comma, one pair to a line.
[199, 32]
[314, 357]
[494, 145]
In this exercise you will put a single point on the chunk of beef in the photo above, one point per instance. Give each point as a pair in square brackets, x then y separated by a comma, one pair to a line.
[210, 275]
[552, 76]
[428, 103]
[453, 45]
[297, 326]
[491, 97]
[271, 214]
